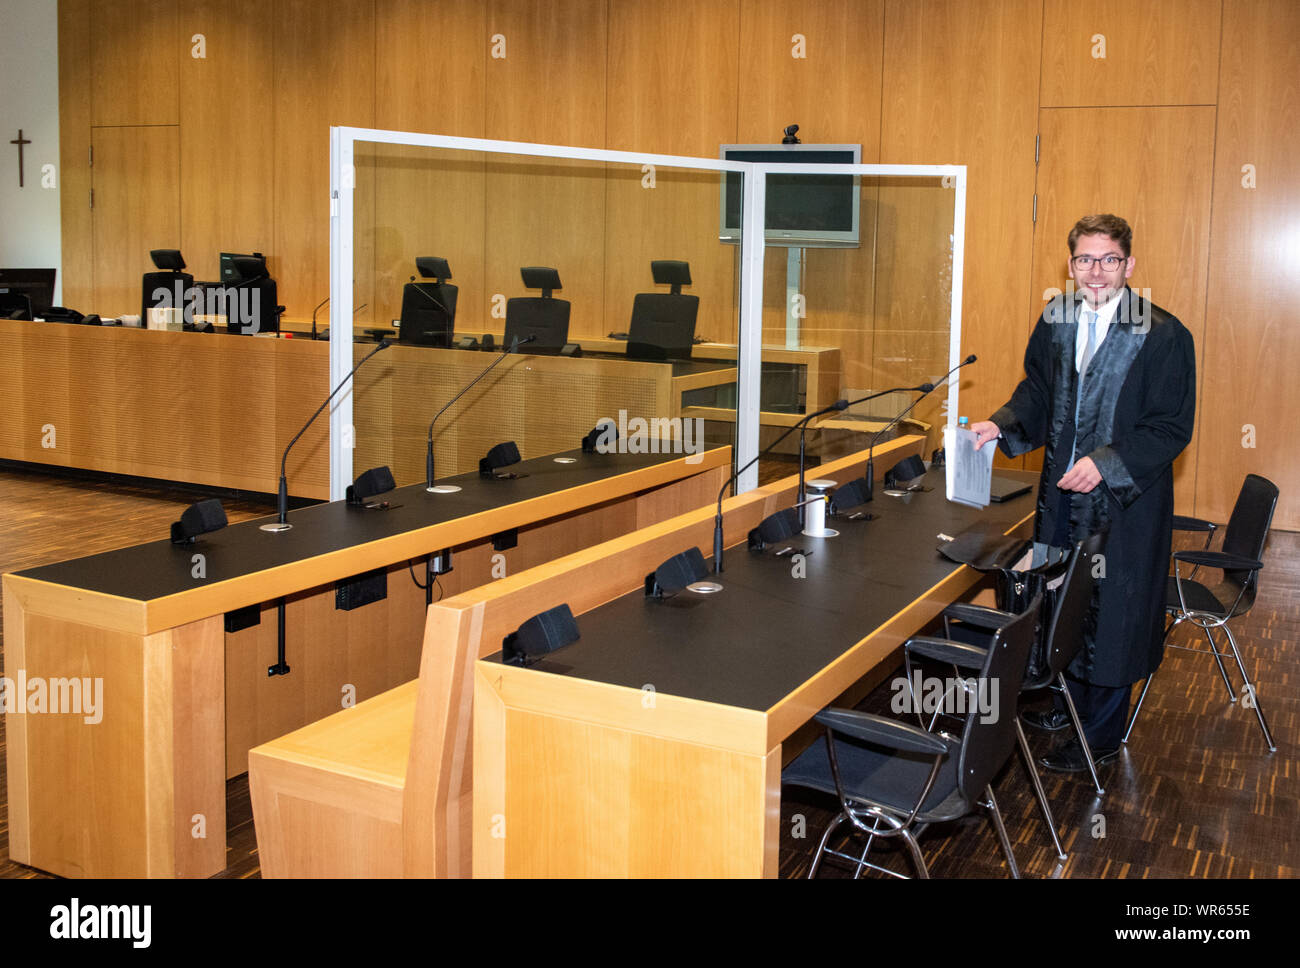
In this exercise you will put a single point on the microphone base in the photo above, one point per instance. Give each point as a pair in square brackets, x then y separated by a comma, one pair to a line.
[704, 587]
[824, 533]
[276, 527]
[443, 489]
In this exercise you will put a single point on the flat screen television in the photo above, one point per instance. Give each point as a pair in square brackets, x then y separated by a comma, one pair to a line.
[803, 211]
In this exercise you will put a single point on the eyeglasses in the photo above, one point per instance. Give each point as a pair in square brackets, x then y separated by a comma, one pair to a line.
[1109, 262]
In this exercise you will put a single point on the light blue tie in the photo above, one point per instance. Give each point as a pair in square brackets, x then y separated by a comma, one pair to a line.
[1089, 349]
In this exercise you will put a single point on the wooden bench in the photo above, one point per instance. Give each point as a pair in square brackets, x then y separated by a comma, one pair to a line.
[384, 789]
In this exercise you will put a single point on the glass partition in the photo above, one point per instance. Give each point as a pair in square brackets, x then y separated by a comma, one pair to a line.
[611, 271]
[852, 320]
[451, 248]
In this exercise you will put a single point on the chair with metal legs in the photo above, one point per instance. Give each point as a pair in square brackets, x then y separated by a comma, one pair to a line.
[893, 779]
[1061, 638]
[1210, 608]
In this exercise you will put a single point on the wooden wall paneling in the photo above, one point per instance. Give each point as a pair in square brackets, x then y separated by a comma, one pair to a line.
[77, 270]
[430, 76]
[841, 40]
[135, 55]
[429, 202]
[550, 85]
[226, 133]
[1156, 52]
[672, 89]
[672, 76]
[960, 88]
[365, 301]
[429, 67]
[675, 218]
[1154, 169]
[324, 75]
[1250, 342]
[136, 179]
[542, 212]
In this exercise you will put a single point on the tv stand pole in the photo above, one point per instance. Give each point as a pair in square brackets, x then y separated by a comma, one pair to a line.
[795, 308]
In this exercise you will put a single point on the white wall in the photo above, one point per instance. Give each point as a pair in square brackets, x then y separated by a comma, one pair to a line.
[29, 99]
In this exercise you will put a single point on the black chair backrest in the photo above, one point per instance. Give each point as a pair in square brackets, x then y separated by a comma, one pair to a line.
[986, 745]
[1247, 530]
[1065, 627]
[662, 326]
[173, 285]
[545, 317]
[428, 313]
[250, 306]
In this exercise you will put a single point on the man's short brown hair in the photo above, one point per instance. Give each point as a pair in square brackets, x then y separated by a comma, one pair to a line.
[1111, 225]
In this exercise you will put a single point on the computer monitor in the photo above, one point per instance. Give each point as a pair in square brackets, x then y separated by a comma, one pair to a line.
[663, 323]
[231, 273]
[429, 305]
[544, 318]
[15, 305]
[36, 284]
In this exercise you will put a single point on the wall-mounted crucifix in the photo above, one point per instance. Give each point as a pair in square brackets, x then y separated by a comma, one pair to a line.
[20, 141]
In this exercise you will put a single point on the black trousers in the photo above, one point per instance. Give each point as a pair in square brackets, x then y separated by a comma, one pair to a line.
[1103, 711]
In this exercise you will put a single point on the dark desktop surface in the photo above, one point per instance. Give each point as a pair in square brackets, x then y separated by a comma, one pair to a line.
[680, 367]
[767, 632]
[160, 568]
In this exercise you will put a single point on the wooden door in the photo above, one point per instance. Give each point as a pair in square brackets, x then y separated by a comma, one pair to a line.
[135, 178]
[1153, 167]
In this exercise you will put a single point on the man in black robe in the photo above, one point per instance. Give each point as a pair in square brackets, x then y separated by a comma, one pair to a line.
[1107, 465]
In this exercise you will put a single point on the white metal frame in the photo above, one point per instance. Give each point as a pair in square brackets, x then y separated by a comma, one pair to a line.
[752, 248]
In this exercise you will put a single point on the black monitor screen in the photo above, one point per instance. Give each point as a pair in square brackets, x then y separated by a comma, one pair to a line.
[36, 284]
[230, 274]
[801, 210]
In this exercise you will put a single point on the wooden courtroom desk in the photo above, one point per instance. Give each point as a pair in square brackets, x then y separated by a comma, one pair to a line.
[653, 745]
[217, 409]
[141, 791]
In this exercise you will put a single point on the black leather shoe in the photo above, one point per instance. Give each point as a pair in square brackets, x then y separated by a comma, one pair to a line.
[1049, 720]
[1069, 758]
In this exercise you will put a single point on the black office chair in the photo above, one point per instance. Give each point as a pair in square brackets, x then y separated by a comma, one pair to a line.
[429, 306]
[251, 302]
[663, 323]
[168, 286]
[542, 317]
[893, 779]
[1240, 561]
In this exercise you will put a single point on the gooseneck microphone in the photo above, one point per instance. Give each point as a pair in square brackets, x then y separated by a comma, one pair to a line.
[926, 389]
[313, 315]
[836, 406]
[282, 500]
[428, 457]
[730, 482]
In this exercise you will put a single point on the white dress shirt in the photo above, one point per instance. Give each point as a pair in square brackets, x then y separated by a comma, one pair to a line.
[1105, 314]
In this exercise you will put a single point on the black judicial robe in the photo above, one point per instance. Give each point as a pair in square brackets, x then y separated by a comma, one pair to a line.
[1135, 417]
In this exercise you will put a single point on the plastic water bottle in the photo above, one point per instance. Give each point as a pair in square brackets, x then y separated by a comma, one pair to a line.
[963, 423]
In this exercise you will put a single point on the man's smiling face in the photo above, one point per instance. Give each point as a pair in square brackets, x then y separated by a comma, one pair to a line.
[1097, 283]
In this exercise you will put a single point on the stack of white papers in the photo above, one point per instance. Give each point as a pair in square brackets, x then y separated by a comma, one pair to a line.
[969, 472]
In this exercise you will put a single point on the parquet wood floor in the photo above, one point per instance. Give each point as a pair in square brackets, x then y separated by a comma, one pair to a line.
[1195, 795]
